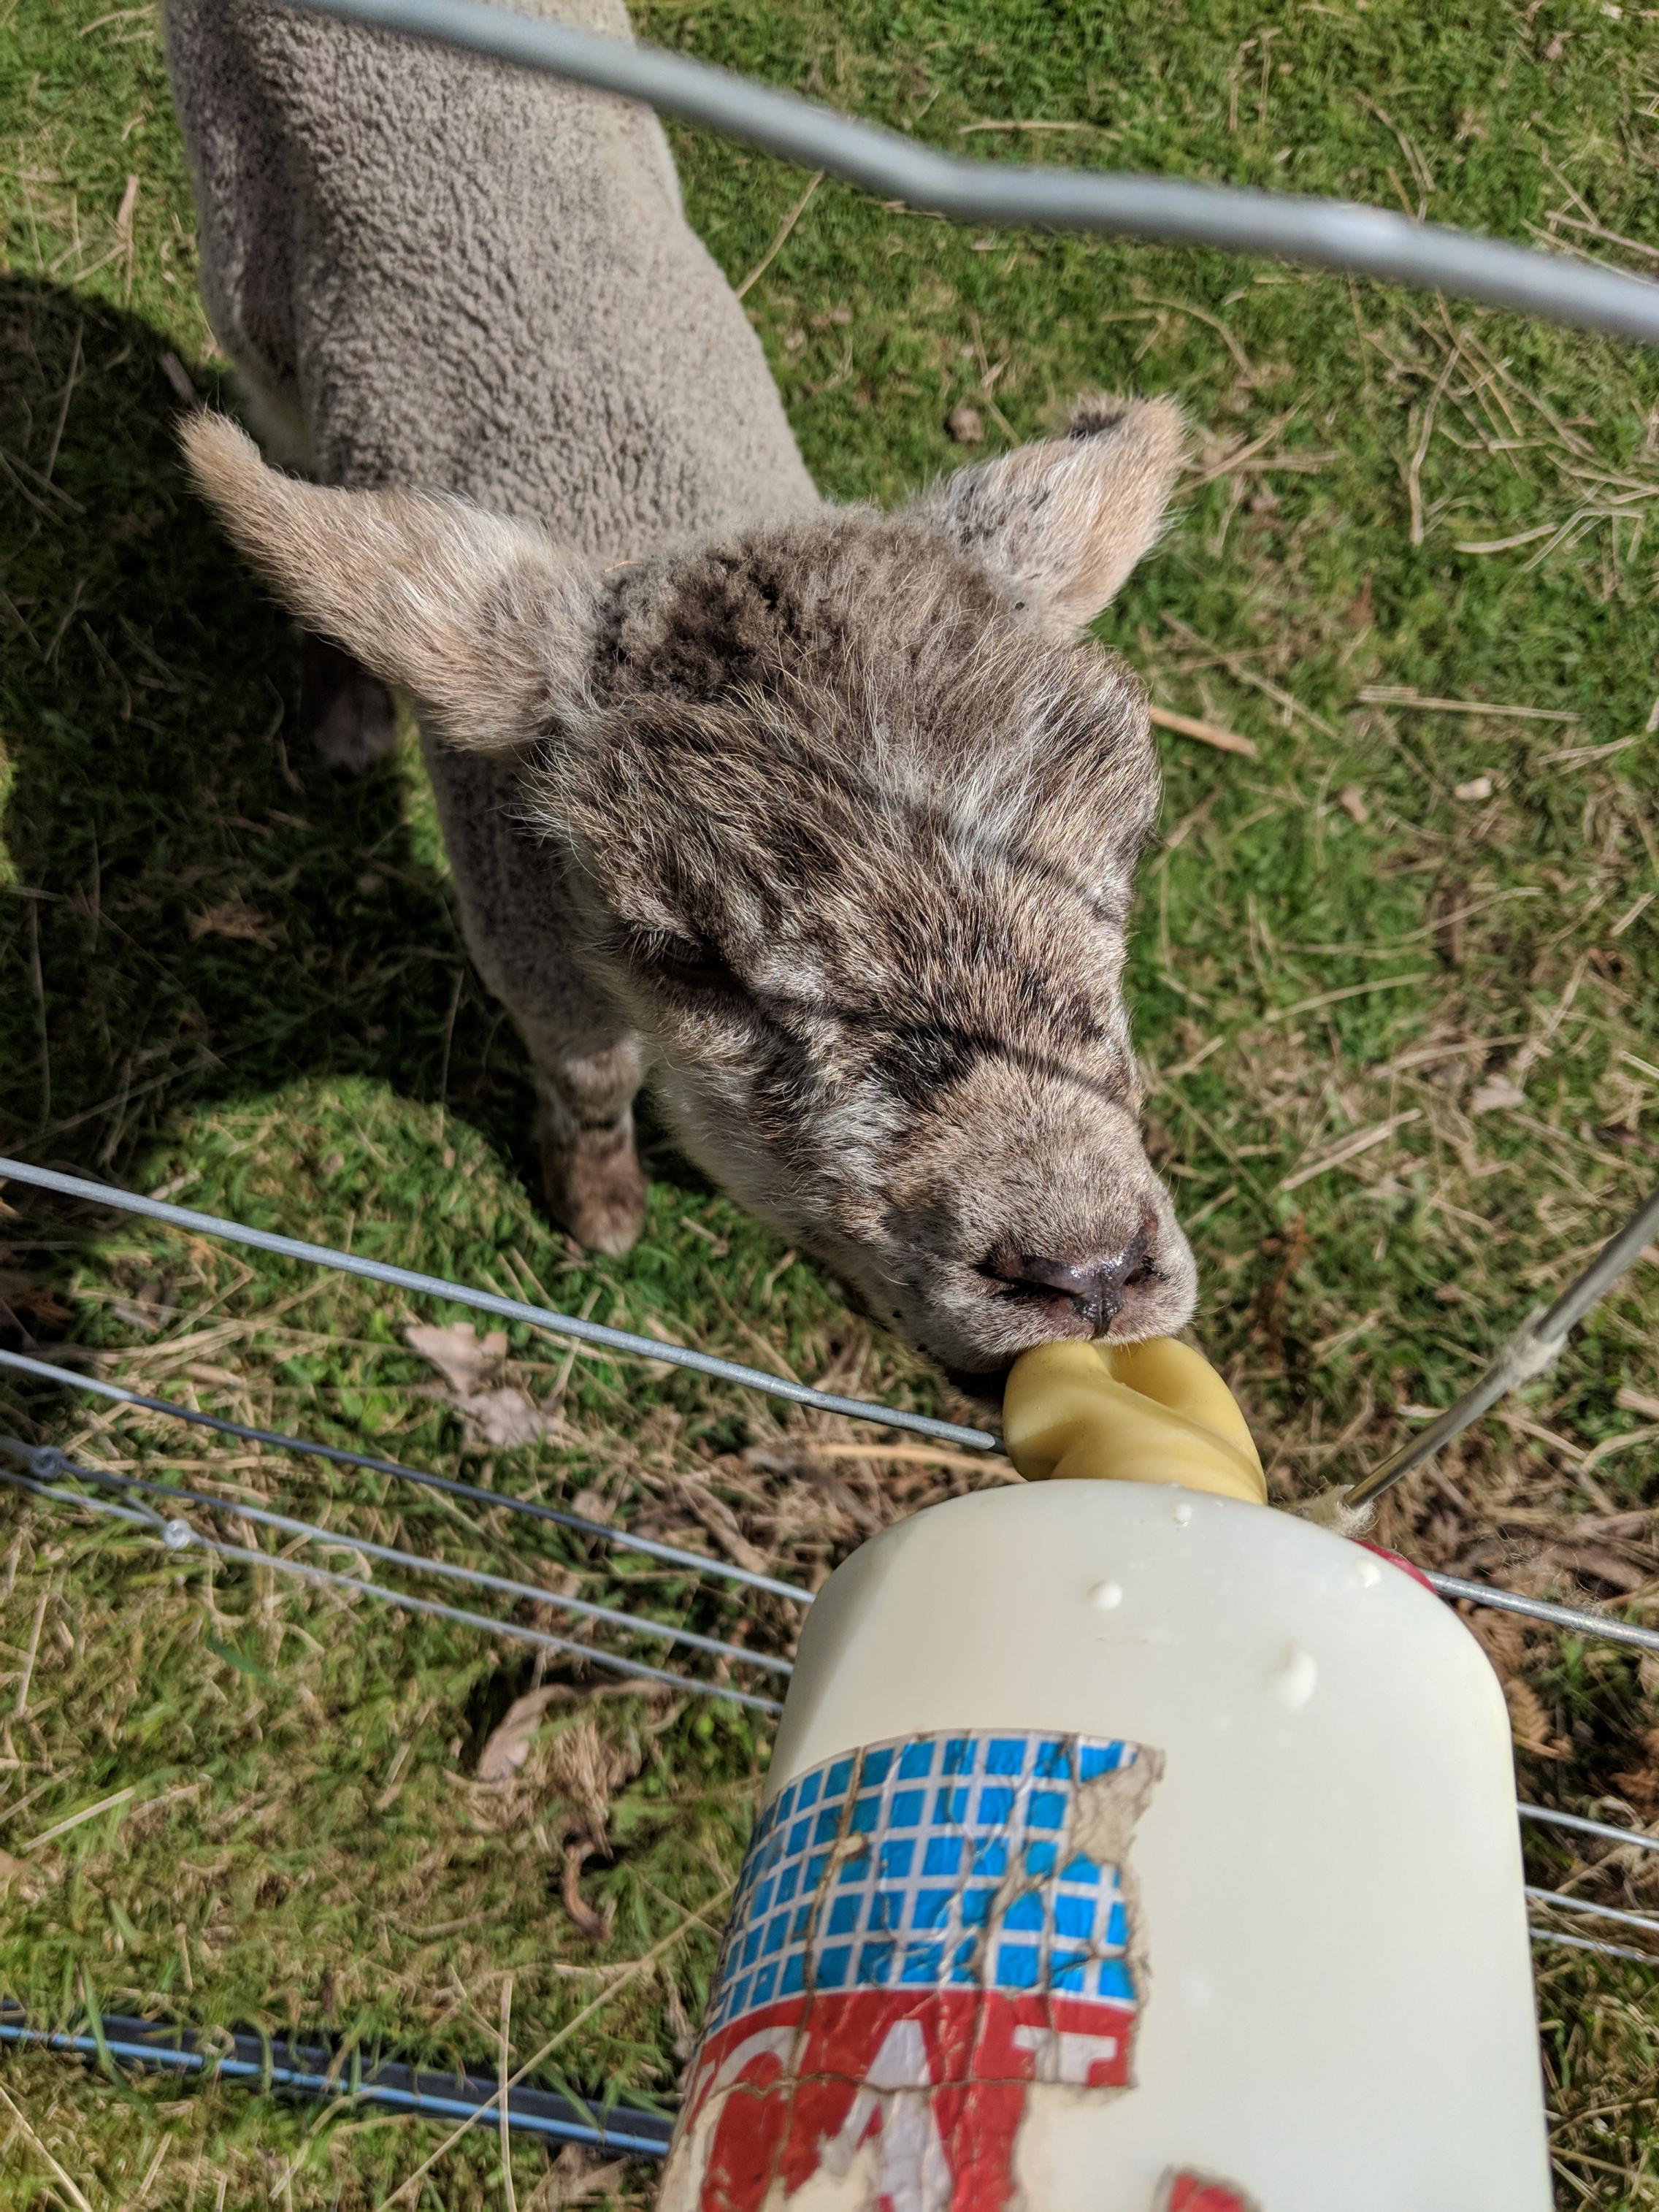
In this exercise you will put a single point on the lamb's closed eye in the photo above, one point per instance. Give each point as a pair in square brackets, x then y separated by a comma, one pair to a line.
[664, 959]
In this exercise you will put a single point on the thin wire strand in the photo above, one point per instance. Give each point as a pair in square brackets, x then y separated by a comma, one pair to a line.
[435, 1287]
[1560, 1902]
[106, 1507]
[700, 1562]
[1543, 1815]
[1325, 233]
[1605, 1829]
[1529, 1352]
[48, 1464]
[404, 1599]
[1538, 1608]
[1588, 1943]
[1484, 1594]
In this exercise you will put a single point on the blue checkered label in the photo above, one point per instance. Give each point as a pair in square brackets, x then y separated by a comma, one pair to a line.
[935, 1862]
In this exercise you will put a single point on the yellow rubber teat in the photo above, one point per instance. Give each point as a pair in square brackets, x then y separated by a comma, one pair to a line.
[1156, 1412]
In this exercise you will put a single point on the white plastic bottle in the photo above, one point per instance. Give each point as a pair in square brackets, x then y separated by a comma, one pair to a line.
[1126, 1848]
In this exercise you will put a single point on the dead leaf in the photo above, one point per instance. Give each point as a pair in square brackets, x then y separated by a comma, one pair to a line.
[1640, 1786]
[1477, 787]
[507, 1745]
[505, 1418]
[1352, 799]
[1496, 1092]
[966, 425]
[586, 1770]
[38, 1300]
[596, 1926]
[575, 2178]
[455, 1350]
[1530, 1722]
[234, 920]
[497, 1411]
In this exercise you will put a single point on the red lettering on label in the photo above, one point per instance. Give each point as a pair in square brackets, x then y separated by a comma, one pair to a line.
[929, 2089]
[1193, 2192]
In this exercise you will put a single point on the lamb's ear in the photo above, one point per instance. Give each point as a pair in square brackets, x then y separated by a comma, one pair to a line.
[1065, 520]
[486, 622]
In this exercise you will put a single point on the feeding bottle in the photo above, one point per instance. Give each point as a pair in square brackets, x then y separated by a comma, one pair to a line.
[1128, 1847]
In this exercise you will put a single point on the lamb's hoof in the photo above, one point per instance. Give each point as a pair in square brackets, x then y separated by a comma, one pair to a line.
[600, 1201]
[349, 715]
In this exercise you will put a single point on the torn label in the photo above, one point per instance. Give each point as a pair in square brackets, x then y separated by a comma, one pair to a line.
[930, 1938]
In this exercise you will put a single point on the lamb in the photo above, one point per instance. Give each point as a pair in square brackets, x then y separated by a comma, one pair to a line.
[825, 819]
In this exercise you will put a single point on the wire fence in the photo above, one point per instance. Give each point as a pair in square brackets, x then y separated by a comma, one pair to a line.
[1324, 233]
[46, 1464]
[164, 1511]
[559, 1516]
[490, 1302]
[49, 1469]
[1535, 1346]
[1531, 1352]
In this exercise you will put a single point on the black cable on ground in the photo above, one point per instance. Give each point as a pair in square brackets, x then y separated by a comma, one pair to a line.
[323, 2077]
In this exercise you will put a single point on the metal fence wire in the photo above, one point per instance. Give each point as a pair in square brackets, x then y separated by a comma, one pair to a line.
[184, 1521]
[1334, 235]
[189, 1523]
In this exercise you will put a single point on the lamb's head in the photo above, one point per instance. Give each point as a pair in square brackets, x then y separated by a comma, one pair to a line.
[852, 813]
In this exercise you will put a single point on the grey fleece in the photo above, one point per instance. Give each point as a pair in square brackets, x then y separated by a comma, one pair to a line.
[441, 273]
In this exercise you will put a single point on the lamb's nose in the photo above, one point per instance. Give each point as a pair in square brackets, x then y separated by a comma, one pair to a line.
[1099, 1288]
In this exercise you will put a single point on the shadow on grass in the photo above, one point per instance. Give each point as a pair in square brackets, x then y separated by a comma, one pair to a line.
[196, 908]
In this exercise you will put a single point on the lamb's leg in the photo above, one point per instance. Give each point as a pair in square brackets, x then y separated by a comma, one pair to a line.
[346, 713]
[521, 922]
[585, 1127]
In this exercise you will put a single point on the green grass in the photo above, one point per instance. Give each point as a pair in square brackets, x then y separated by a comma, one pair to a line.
[223, 970]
